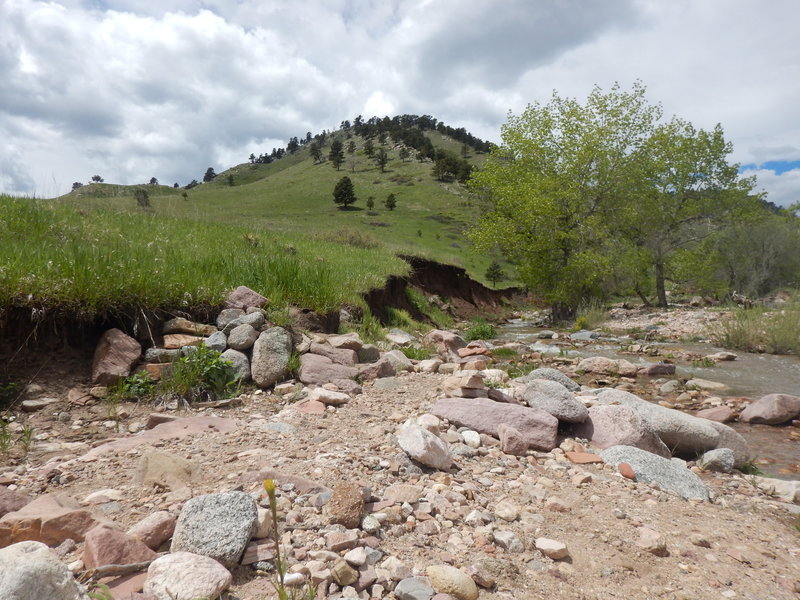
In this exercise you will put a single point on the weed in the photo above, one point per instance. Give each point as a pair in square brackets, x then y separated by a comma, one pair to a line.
[493, 384]
[504, 352]
[415, 353]
[5, 437]
[399, 318]
[517, 368]
[8, 393]
[26, 438]
[704, 363]
[758, 330]
[428, 308]
[280, 316]
[294, 364]
[590, 316]
[200, 375]
[369, 329]
[480, 330]
[750, 468]
[134, 387]
[307, 592]
[101, 592]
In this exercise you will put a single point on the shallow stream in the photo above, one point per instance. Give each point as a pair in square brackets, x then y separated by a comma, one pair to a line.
[750, 375]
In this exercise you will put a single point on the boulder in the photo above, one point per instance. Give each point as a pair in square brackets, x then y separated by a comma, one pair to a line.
[240, 364]
[424, 447]
[242, 337]
[782, 488]
[705, 384]
[177, 341]
[399, 361]
[772, 409]
[162, 355]
[243, 297]
[106, 545]
[553, 375]
[368, 353]
[255, 319]
[11, 501]
[511, 441]
[720, 414]
[216, 341]
[614, 425]
[348, 341]
[653, 369]
[155, 529]
[271, 353]
[607, 366]
[669, 474]
[320, 370]
[679, 431]
[216, 525]
[537, 427]
[732, 439]
[186, 576]
[341, 356]
[720, 460]
[414, 588]
[114, 357]
[552, 397]
[227, 315]
[31, 571]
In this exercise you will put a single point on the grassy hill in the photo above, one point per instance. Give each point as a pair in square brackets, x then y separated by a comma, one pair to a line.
[294, 195]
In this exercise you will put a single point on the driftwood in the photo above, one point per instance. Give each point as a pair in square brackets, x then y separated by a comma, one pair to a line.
[112, 571]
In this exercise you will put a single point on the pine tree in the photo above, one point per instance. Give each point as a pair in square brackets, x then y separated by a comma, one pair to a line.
[344, 194]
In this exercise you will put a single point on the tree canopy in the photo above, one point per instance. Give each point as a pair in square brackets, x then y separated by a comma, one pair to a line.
[343, 193]
[590, 199]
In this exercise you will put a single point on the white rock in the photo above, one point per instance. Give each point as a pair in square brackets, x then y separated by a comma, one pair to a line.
[471, 438]
[424, 447]
[551, 548]
[31, 571]
[329, 397]
[186, 576]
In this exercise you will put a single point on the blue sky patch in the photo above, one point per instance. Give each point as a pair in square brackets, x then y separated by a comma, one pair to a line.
[778, 166]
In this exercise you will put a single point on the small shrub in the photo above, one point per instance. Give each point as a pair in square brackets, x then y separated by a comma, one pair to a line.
[757, 330]
[704, 363]
[370, 329]
[5, 437]
[590, 316]
[294, 364]
[504, 352]
[480, 330]
[134, 387]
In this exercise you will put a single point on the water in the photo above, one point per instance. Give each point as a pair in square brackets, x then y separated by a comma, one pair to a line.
[750, 375]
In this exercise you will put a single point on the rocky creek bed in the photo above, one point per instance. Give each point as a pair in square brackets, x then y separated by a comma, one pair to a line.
[396, 490]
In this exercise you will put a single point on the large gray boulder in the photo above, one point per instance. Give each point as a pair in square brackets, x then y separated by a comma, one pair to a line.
[31, 571]
[242, 337]
[772, 409]
[553, 375]
[241, 364]
[679, 431]
[733, 440]
[669, 474]
[342, 356]
[552, 397]
[425, 447]
[216, 525]
[613, 425]
[537, 427]
[271, 352]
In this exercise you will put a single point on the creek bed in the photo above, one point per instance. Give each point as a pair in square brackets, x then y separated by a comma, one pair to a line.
[750, 375]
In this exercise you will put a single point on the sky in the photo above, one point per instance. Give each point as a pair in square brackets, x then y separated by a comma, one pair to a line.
[134, 89]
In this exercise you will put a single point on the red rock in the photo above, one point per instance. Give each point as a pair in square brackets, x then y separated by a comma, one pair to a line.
[537, 427]
[473, 351]
[49, 519]
[11, 501]
[626, 471]
[720, 414]
[243, 297]
[181, 325]
[311, 407]
[474, 365]
[612, 425]
[174, 341]
[341, 356]
[114, 356]
[511, 441]
[105, 545]
[320, 370]
[341, 540]
[79, 397]
[583, 458]
[382, 367]
[447, 343]
[154, 529]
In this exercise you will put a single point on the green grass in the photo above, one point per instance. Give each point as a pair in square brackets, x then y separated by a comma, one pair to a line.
[92, 261]
[760, 330]
[590, 317]
[293, 196]
[480, 330]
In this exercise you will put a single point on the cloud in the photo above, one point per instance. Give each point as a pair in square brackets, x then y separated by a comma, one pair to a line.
[782, 189]
[131, 89]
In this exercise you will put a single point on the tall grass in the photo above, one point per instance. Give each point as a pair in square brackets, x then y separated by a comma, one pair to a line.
[93, 261]
[590, 316]
[759, 330]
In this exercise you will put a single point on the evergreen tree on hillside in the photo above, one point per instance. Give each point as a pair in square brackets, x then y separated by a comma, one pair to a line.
[390, 202]
[316, 152]
[495, 273]
[210, 175]
[344, 194]
[336, 155]
[382, 159]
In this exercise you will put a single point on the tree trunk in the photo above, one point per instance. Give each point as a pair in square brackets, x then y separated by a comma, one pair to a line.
[660, 291]
[643, 298]
[560, 312]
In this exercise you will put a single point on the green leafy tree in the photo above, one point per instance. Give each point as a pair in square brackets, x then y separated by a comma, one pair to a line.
[390, 202]
[495, 273]
[343, 193]
[97, 179]
[381, 159]
[351, 147]
[336, 154]
[77, 185]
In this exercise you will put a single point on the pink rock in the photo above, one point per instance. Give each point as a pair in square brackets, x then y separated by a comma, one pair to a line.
[243, 297]
[772, 409]
[584, 458]
[511, 440]
[258, 551]
[447, 343]
[720, 414]
[114, 357]
[341, 356]
[320, 370]
[107, 546]
[183, 575]
[537, 427]
[49, 519]
[127, 587]
[614, 425]
[383, 367]
[154, 529]
[311, 407]
[626, 471]
[607, 366]
[174, 341]
[425, 447]
[11, 501]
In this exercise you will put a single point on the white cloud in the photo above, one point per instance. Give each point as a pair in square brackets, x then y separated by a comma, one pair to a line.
[131, 89]
[783, 189]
